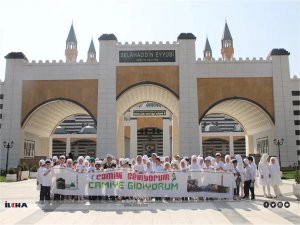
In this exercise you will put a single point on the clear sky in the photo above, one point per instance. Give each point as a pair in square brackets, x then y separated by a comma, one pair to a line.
[39, 28]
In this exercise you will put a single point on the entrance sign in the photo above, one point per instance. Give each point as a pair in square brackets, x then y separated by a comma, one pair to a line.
[149, 113]
[129, 183]
[146, 56]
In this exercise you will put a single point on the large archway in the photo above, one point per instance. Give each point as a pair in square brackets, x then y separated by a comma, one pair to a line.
[255, 120]
[147, 93]
[40, 123]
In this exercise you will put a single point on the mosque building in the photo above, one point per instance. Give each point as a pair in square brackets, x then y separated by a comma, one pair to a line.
[139, 98]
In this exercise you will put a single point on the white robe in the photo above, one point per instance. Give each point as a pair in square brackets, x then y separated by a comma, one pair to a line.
[263, 169]
[275, 175]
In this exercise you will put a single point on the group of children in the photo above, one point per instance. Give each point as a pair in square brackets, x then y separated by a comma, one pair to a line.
[244, 170]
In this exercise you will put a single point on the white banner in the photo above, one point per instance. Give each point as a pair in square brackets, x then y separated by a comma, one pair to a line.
[128, 183]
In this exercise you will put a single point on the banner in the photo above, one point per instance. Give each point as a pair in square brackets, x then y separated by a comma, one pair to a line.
[131, 184]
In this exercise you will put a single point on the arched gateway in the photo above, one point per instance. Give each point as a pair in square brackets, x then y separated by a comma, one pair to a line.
[126, 78]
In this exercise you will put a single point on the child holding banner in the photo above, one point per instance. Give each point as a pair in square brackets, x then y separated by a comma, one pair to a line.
[194, 164]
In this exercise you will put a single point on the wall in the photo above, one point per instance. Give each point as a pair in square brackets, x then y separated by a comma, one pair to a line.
[211, 90]
[36, 92]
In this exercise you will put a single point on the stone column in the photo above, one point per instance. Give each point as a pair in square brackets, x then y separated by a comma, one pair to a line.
[133, 137]
[200, 139]
[188, 103]
[50, 146]
[166, 136]
[249, 144]
[68, 145]
[106, 110]
[231, 145]
[120, 138]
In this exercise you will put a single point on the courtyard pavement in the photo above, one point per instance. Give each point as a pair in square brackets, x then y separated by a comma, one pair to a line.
[192, 212]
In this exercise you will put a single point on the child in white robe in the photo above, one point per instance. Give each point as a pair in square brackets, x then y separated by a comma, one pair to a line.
[264, 174]
[194, 164]
[240, 170]
[228, 166]
[275, 173]
[139, 166]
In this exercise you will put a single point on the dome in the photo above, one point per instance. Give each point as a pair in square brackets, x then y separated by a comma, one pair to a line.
[212, 128]
[60, 130]
[88, 130]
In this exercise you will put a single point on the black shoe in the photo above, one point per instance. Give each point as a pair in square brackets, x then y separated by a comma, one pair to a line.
[252, 198]
[245, 197]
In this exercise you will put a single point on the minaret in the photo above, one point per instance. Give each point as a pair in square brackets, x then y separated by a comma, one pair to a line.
[91, 55]
[207, 53]
[71, 46]
[227, 44]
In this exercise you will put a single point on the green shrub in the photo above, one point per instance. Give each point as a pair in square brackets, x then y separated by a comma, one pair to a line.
[12, 171]
[2, 172]
[25, 167]
[20, 167]
[33, 169]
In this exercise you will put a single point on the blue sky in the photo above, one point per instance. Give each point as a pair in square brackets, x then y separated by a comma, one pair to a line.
[39, 28]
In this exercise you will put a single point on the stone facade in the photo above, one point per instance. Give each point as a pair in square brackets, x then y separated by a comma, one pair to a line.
[255, 92]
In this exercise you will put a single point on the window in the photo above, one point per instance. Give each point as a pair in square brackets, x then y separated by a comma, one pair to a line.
[297, 122]
[0, 116]
[296, 102]
[29, 149]
[1, 96]
[262, 145]
[297, 142]
[297, 132]
[296, 112]
[1, 106]
[295, 93]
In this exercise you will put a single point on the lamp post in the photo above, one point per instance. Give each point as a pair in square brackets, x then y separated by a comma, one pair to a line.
[278, 143]
[8, 146]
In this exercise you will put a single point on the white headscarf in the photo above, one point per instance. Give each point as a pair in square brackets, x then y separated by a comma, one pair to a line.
[175, 162]
[276, 162]
[240, 165]
[120, 162]
[227, 157]
[80, 158]
[194, 165]
[54, 159]
[246, 161]
[264, 158]
[185, 164]
[201, 162]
